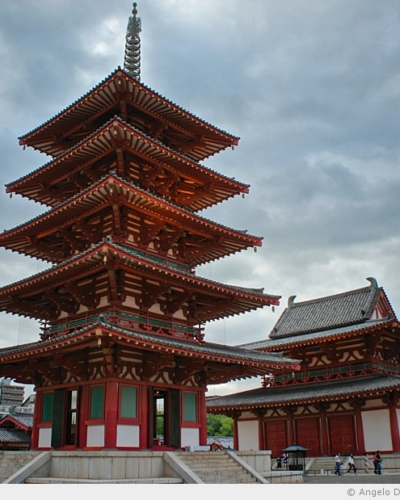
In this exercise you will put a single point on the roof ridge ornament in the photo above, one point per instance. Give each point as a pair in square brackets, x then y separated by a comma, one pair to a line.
[374, 283]
[291, 300]
[132, 45]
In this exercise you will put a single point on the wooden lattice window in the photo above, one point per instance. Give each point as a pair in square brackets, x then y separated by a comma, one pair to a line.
[97, 402]
[128, 402]
[189, 407]
[47, 408]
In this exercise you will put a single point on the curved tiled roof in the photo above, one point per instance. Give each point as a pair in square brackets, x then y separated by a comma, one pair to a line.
[82, 202]
[91, 260]
[14, 437]
[156, 103]
[106, 125]
[255, 360]
[23, 419]
[272, 396]
[325, 313]
[316, 337]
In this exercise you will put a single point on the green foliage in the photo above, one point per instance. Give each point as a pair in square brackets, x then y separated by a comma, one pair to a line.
[219, 425]
[160, 423]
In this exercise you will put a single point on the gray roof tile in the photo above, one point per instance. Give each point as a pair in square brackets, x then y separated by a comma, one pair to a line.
[315, 337]
[334, 311]
[14, 436]
[272, 396]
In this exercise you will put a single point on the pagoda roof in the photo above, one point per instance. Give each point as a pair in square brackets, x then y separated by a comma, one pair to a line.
[24, 238]
[331, 312]
[307, 393]
[280, 344]
[214, 300]
[103, 141]
[249, 363]
[106, 95]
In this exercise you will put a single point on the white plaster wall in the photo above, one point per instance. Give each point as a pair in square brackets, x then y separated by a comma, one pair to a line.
[248, 435]
[45, 437]
[372, 403]
[376, 426]
[247, 414]
[190, 436]
[95, 435]
[179, 314]
[128, 436]
[130, 301]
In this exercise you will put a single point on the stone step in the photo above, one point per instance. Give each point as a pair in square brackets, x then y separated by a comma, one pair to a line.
[202, 456]
[226, 476]
[204, 468]
[143, 480]
[228, 481]
[217, 468]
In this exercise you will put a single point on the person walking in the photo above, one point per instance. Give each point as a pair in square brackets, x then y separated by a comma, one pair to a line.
[366, 463]
[352, 465]
[377, 463]
[338, 463]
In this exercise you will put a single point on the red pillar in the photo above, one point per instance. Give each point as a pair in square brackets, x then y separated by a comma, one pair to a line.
[203, 418]
[261, 437]
[111, 412]
[36, 412]
[290, 429]
[360, 449]
[394, 426]
[144, 417]
[324, 447]
[83, 416]
[235, 431]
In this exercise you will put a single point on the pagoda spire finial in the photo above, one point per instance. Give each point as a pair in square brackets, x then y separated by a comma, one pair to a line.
[132, 45]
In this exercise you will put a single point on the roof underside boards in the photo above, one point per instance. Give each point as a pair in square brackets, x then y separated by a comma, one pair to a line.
[280, 344]
[199, 138]
[217, 360]
[307, 393]
[195, 238]
[146, 162]
[326, 313]
[93, 273]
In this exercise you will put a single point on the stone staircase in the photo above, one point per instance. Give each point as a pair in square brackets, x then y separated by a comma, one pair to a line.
[325, 464]
[217, 467]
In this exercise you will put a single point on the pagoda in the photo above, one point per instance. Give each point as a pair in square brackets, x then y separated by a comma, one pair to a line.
[121, 362]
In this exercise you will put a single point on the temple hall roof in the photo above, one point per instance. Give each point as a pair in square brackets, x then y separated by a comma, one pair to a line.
[307, 393]
[13, 438]
[326, 313]
[22, 420]
[317, 337]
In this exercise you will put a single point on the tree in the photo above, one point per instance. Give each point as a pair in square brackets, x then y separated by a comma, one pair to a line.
[219, 425]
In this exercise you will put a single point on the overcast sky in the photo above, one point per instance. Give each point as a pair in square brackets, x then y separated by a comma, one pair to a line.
[311, 87]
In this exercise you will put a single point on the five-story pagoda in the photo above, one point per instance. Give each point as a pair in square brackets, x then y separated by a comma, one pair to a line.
[122, 361]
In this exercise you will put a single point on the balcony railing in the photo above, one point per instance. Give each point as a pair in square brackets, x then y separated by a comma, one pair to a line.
[138, 323]
[338, 372]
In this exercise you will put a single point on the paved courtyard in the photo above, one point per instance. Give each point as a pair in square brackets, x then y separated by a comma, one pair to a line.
[360, 478]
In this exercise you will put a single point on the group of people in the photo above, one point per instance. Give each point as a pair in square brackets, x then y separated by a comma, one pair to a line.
[376, 460]
[283, 460]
